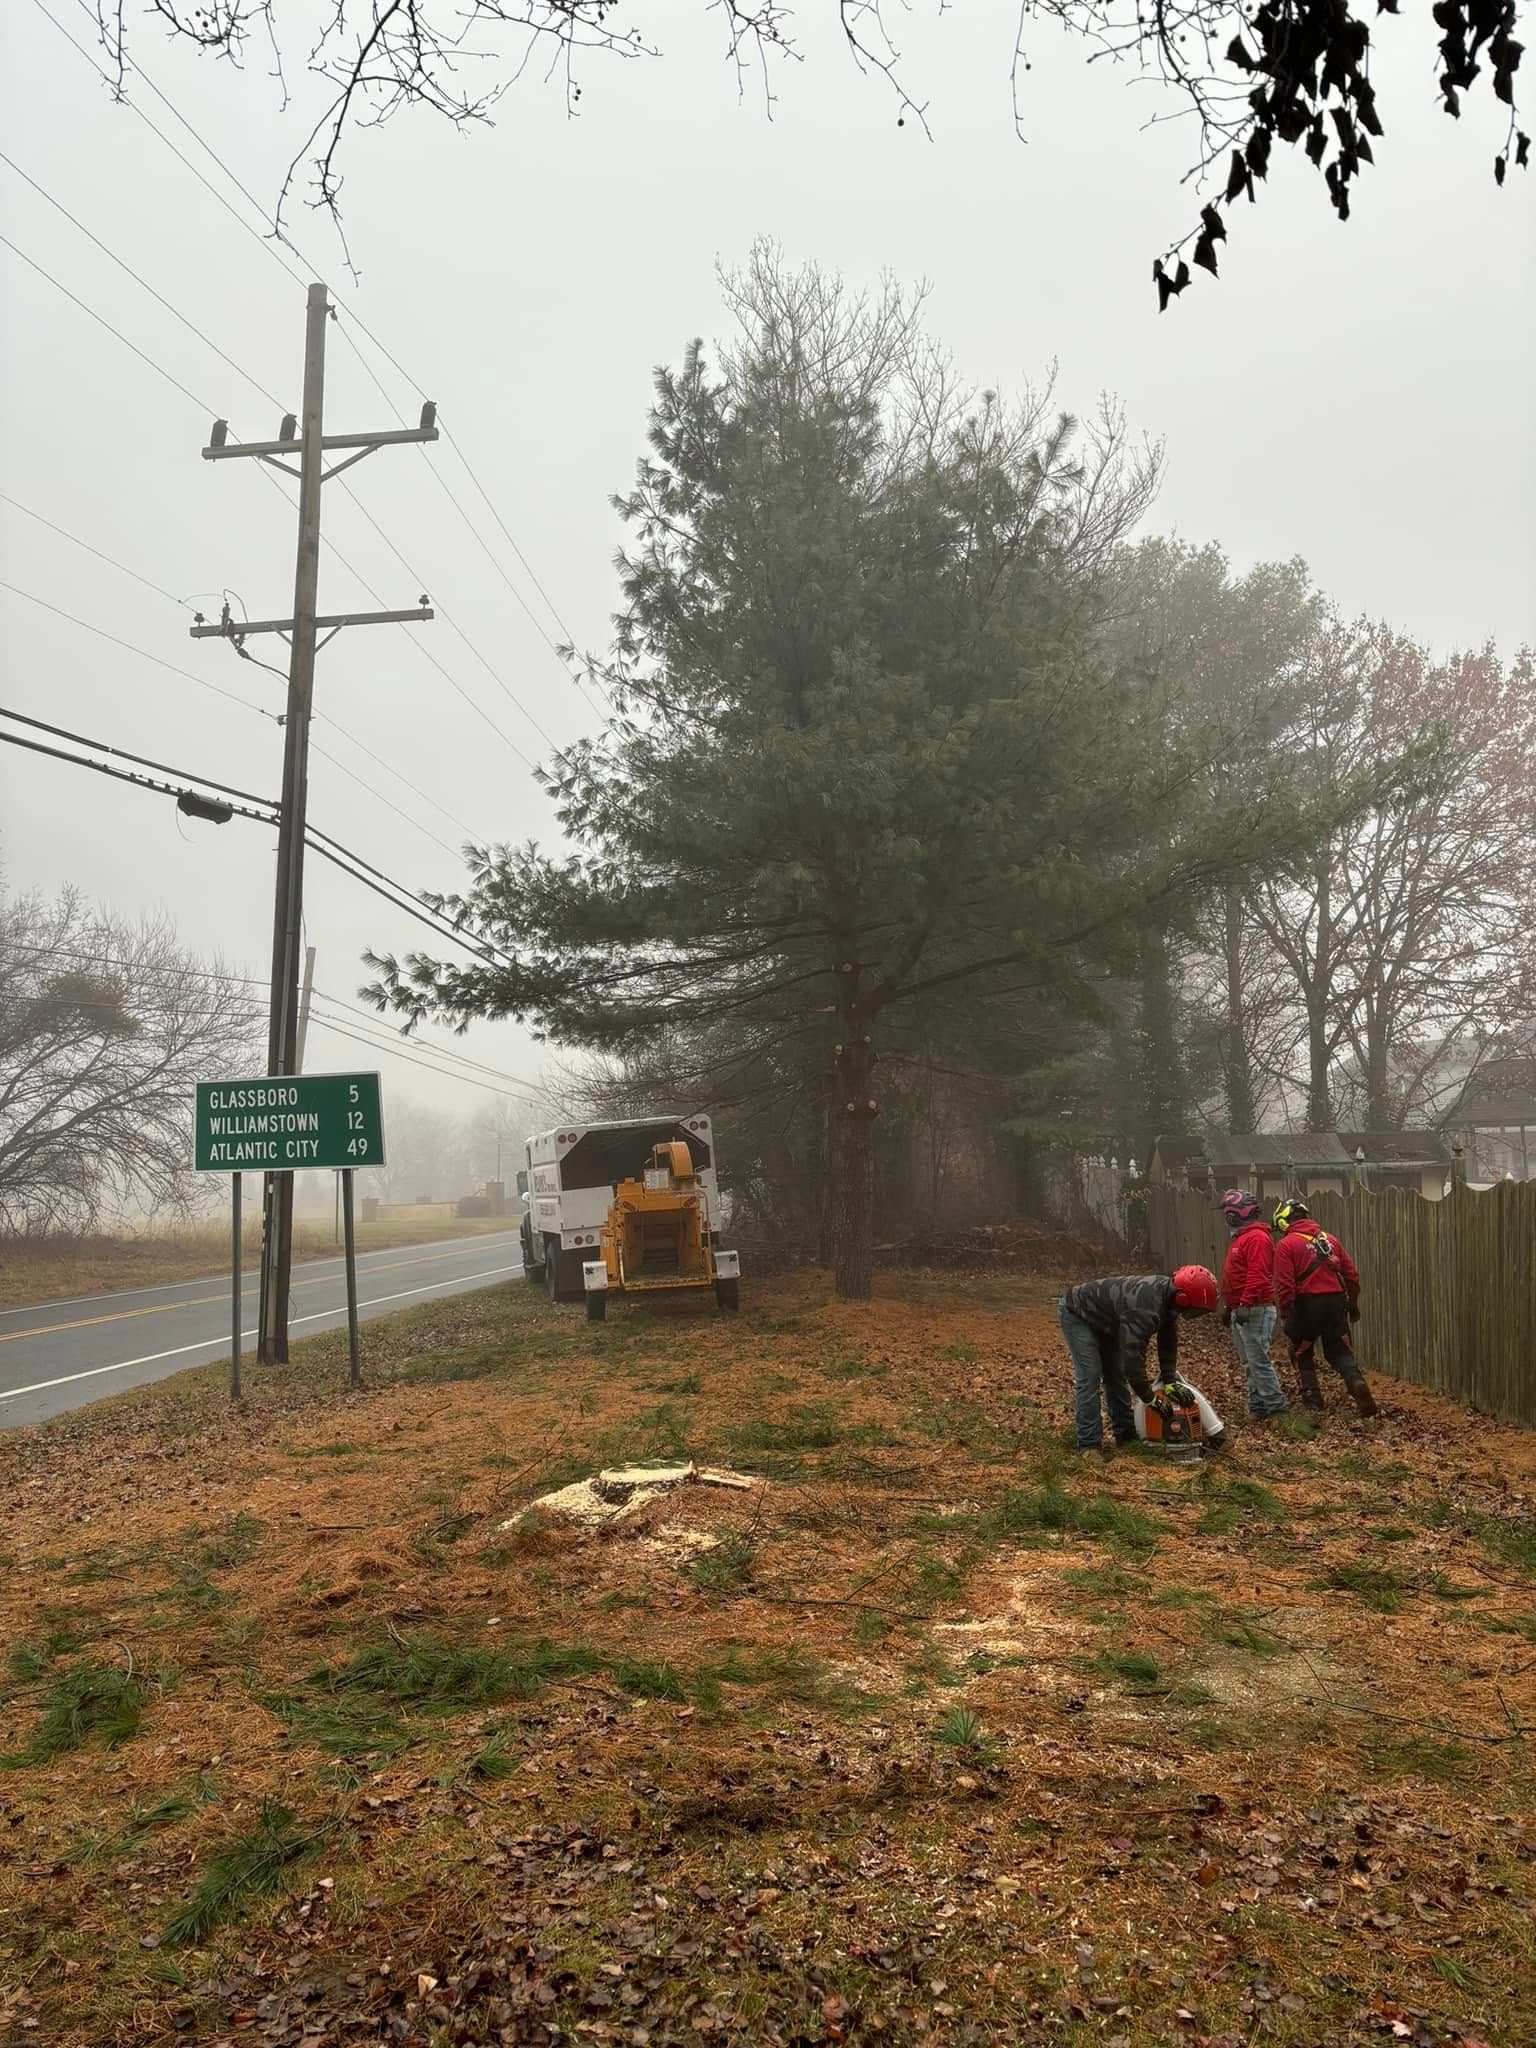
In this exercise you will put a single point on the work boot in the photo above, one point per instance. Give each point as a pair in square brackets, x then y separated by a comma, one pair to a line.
[1311, 1392]
[1365, 1400]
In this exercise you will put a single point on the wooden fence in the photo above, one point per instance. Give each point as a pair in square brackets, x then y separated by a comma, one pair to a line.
[1448, 1289]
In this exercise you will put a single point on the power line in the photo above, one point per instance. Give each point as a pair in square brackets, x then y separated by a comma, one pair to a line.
[122, 754]
[458, 507]
[346, 734]
[391, 1040]
[363, 326]
[143, 653]
[122, 99]
[376, 1046]
[175, 382]
[74, 538]
[377, 1019]
[332, 850]
[210, 412]
[507, 691]
[389, 803]
[129, 271]
[15, 739]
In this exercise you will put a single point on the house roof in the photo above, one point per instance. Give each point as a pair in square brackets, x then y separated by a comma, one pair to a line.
[1179, 1151]
[1502, 1112]
[1502, 1091]
[1308, 1149]
[1395, 1148]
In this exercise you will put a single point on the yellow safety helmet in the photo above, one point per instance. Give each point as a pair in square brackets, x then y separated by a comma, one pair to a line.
[1289, 1210]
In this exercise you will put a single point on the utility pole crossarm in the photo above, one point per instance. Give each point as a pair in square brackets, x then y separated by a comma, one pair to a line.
[237, 629]
[221, 449]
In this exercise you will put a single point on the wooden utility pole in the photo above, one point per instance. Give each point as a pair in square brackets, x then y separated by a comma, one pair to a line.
[311, 444]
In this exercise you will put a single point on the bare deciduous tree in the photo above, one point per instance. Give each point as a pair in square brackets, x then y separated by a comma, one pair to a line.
[1410, 932]
[105, 1027]
[1296, 73]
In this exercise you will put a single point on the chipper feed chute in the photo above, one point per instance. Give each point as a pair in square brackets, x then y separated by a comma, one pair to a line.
[657, 1237]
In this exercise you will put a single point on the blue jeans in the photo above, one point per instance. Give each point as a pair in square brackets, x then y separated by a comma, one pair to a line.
[1250, 1341]
[1095, 1370]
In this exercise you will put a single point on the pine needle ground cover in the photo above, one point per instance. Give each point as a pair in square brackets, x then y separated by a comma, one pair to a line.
[312, 1730]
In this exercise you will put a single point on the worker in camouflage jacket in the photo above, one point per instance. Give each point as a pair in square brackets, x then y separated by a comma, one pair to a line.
[1317, 1291]
[1109, 1326]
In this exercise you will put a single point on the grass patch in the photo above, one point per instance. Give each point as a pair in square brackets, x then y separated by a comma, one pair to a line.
[725, 1569]
[1447, 1589]
[854, 1369]
[962, 1353]
[320, 1450]
[1523, 1625]
[689, 1383]
[495, 1761]
[963, 1730]
[1104, 1581]
[1419, 1756]
[796, 1675]
[250, 1868]
[419, 1671]
[1246, 1635]
[83, 1703]
[1357, 1465]
[359, 1709]
[1512, 1538]
[1296, 1426]
[1180, 1598]
[1392, 1532]
[1232, 1503]
[28, 1662]
[1136, 1669]
[1377, 1586]
[645, 1678]
[143, 1822]
[1050, 1509]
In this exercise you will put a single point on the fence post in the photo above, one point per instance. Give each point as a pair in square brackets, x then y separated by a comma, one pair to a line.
[1458, 1165]
[1362, 1171]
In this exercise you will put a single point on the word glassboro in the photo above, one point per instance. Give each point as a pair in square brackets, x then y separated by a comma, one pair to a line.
[283, 1123]
[288, 1122]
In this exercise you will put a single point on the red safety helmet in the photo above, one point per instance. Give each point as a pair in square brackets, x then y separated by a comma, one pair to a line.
[1194, 1288]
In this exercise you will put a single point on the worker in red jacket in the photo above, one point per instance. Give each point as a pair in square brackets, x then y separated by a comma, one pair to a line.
[1248, 1300]
[1317, 1291]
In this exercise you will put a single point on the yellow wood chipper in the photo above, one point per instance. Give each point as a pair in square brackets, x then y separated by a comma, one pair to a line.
[657, 1238]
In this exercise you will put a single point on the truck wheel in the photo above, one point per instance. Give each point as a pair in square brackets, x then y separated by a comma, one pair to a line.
[533, 1274]
[552, 1268]
[597, 1306]
[728, 1294]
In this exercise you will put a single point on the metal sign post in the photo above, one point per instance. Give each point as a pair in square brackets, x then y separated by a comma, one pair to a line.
[236, 1252]
[285, 1124]
[354, 1370]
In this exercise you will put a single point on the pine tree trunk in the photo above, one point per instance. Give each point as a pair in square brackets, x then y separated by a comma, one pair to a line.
[1164, 1104]
[1319, 1105]
[853, 1150]
[1241, 1114]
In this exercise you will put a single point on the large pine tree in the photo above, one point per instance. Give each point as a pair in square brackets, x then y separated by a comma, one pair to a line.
[870, 745]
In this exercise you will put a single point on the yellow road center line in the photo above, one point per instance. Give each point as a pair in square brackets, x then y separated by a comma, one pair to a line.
[124, 1315]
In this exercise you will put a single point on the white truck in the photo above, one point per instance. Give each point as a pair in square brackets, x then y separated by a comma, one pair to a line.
[569, 1183]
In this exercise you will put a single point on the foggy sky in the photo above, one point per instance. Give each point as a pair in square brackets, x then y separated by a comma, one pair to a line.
[1360, 396]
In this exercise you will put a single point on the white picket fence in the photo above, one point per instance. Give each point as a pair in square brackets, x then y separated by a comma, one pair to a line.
[1081, 1188]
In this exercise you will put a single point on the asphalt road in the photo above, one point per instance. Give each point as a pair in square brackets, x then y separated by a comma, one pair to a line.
[58, 1355]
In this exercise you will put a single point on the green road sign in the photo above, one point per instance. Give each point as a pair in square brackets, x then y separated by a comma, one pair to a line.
[285, 1123]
